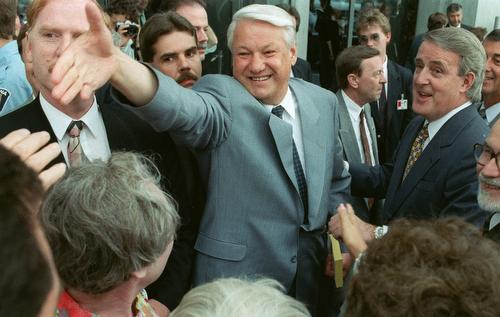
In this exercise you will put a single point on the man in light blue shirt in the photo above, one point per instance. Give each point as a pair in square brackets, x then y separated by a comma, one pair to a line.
[14, 87]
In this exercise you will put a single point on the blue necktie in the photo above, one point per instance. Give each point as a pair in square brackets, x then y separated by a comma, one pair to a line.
[297, 166]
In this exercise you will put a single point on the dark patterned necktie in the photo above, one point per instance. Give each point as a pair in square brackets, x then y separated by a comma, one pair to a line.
[297, 166]
[366, 149]
[75, 152]
[417, 148]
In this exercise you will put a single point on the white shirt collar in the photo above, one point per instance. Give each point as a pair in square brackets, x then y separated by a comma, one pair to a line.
[353, 108]
[59, 121]
[435, 125]
[492, 112]
[287, 103]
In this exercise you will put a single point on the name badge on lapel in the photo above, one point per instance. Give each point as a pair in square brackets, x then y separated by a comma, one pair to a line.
[402, 104]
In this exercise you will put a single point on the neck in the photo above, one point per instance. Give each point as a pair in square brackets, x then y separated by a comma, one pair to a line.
[114, 303]
[489, 101]
[4, 41]
[76, 109]
[354, 97]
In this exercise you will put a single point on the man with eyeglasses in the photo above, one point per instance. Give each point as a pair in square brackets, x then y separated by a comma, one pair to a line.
[393, 110]
[488, 170]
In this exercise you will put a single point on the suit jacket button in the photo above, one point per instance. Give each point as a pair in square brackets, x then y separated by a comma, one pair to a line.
[293, 259]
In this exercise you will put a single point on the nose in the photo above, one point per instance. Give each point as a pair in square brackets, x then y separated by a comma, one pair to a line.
[490, 170]
[383, 80]
[257, 64]
[420, 76]
[64, 43]
[183, 63]
[201, 35]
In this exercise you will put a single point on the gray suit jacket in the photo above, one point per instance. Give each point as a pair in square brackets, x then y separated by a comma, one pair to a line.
[351, 153]
[253, 215]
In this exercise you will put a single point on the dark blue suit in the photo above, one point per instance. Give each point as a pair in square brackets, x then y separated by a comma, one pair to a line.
[442, 182]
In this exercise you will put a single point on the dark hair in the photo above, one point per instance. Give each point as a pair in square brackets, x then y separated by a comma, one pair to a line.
[436, 20]
[293, 12]
[162, 24]
[129, 8]
[442, 267]
[453, 7]
[26, 278]
[8, 15]
[349, 62]
[172, 5]
[493, 36]
[479, 32]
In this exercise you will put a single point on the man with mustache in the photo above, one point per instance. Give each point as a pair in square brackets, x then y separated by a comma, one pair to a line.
[488, 170]
[168, 42]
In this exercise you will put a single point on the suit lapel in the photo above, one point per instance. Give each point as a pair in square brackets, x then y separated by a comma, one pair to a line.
[314, 149]
[117, 131]
[346, 132]
[37, 121]
[283, 138]
[393, 87]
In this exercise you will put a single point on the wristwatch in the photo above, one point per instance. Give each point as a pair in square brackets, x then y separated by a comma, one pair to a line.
[380, 231]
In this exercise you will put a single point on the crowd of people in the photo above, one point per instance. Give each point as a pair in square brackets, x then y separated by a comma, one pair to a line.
[133, 185]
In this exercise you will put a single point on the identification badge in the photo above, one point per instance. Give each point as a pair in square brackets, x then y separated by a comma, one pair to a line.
[402, 104]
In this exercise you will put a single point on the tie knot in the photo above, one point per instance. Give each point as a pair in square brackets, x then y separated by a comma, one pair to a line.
[362, 114]
[74, 128]
[278, 111]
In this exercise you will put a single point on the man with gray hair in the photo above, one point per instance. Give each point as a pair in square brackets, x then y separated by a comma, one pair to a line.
[111, 229]
[272, 179]
[488, 170]
[433, 172]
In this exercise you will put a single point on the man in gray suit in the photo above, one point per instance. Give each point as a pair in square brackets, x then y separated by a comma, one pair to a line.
[360, 76]
[267, 145]
[490, 109]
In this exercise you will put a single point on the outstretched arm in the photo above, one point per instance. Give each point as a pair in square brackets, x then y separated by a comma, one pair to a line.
[92, 60]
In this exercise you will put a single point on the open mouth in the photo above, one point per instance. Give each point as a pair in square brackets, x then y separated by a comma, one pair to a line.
[260, 78]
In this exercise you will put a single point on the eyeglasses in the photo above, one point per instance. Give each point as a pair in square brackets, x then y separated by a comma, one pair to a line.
[483, 155]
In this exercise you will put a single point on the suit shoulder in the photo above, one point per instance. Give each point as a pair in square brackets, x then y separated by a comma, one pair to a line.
[17, 119]
[403, 71]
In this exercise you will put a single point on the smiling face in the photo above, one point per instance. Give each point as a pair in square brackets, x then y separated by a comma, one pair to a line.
[262, 61]
[57, 25]
[489, 175]
[437, 87]
[491, 84]
[176, 55]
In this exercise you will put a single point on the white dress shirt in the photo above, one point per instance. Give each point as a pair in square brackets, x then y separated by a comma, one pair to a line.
[436, 125]
[93, 137]
[492, 112]
[291, 115]
[354, 111]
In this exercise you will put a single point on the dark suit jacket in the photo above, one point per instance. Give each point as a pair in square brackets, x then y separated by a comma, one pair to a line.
[442, 182]
[494, 233]
[400, 81]
[302, 69]
[128, 132]
[463, 26]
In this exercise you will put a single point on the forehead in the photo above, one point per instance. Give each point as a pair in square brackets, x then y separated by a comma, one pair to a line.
[370, 29]
[177, 41]
[195, 14]
[430, 52]
[455, 13]
[251, 33]
[65, 14]
[493, 139]
[492, 47]
[372, 64]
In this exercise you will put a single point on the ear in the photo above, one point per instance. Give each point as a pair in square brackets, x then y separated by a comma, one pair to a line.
[293, 54]
[27, 48]
[352, 79]
[141, 273]
[389, 36]
[468, 82]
